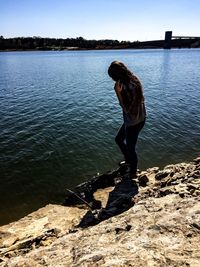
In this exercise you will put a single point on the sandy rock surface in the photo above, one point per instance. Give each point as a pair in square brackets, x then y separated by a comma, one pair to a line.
[160, 226]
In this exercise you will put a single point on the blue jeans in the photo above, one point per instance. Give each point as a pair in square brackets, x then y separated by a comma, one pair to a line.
[130, 135]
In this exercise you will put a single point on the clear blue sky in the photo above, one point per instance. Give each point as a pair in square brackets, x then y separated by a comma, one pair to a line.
[99, 19]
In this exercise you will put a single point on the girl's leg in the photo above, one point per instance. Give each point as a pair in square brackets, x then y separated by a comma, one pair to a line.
[132, 133]
[119, 139]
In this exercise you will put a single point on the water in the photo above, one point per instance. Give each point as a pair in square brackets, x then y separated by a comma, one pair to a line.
[59, 116]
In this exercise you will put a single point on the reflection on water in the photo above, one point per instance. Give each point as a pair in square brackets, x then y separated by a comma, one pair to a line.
[59, 116]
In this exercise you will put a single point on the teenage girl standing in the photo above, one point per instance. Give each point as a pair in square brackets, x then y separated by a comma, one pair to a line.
[130, 95]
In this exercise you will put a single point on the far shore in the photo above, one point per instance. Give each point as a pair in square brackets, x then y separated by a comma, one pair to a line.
[90, 49]
[78, 49]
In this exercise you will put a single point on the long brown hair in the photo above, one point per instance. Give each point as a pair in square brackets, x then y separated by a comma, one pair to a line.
[119, 72]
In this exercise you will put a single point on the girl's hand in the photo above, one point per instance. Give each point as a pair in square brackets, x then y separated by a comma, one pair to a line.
[118, 87]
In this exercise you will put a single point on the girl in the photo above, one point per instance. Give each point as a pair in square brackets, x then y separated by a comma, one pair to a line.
[130, 95]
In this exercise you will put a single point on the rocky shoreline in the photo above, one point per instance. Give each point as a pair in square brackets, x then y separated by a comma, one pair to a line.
[113, 221]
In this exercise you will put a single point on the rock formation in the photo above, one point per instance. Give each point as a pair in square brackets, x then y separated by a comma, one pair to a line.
[112, 221]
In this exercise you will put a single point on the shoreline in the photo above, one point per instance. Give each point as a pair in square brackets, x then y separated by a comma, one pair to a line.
[81, 185]
[96, 49]
[81, 49]
[107, 224]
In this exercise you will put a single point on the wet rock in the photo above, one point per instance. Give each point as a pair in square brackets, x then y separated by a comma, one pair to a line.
[197, 161]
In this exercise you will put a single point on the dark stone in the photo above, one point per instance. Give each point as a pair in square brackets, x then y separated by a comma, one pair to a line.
[72, 231]
[197, 160]
[97, 258]
[195, 225]
[164, 183]
[128, 227]
[182, 195]
[166, 191]
[119, 230]
[192, 186]
[143, 180]
[189, 234]
[162, 174]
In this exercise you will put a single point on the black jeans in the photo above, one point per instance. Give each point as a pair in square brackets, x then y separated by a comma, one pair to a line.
[130, 135]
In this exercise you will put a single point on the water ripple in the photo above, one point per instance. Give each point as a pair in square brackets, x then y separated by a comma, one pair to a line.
[59, 115]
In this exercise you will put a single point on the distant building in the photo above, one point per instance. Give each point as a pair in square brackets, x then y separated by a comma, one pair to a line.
[168, 39]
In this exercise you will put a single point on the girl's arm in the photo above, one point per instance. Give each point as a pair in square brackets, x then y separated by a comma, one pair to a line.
[118, 89]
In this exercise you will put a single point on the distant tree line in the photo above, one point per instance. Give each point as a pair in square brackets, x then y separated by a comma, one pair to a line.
[39, 43]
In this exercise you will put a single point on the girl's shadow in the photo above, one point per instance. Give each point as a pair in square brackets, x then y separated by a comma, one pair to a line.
[119, 200]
